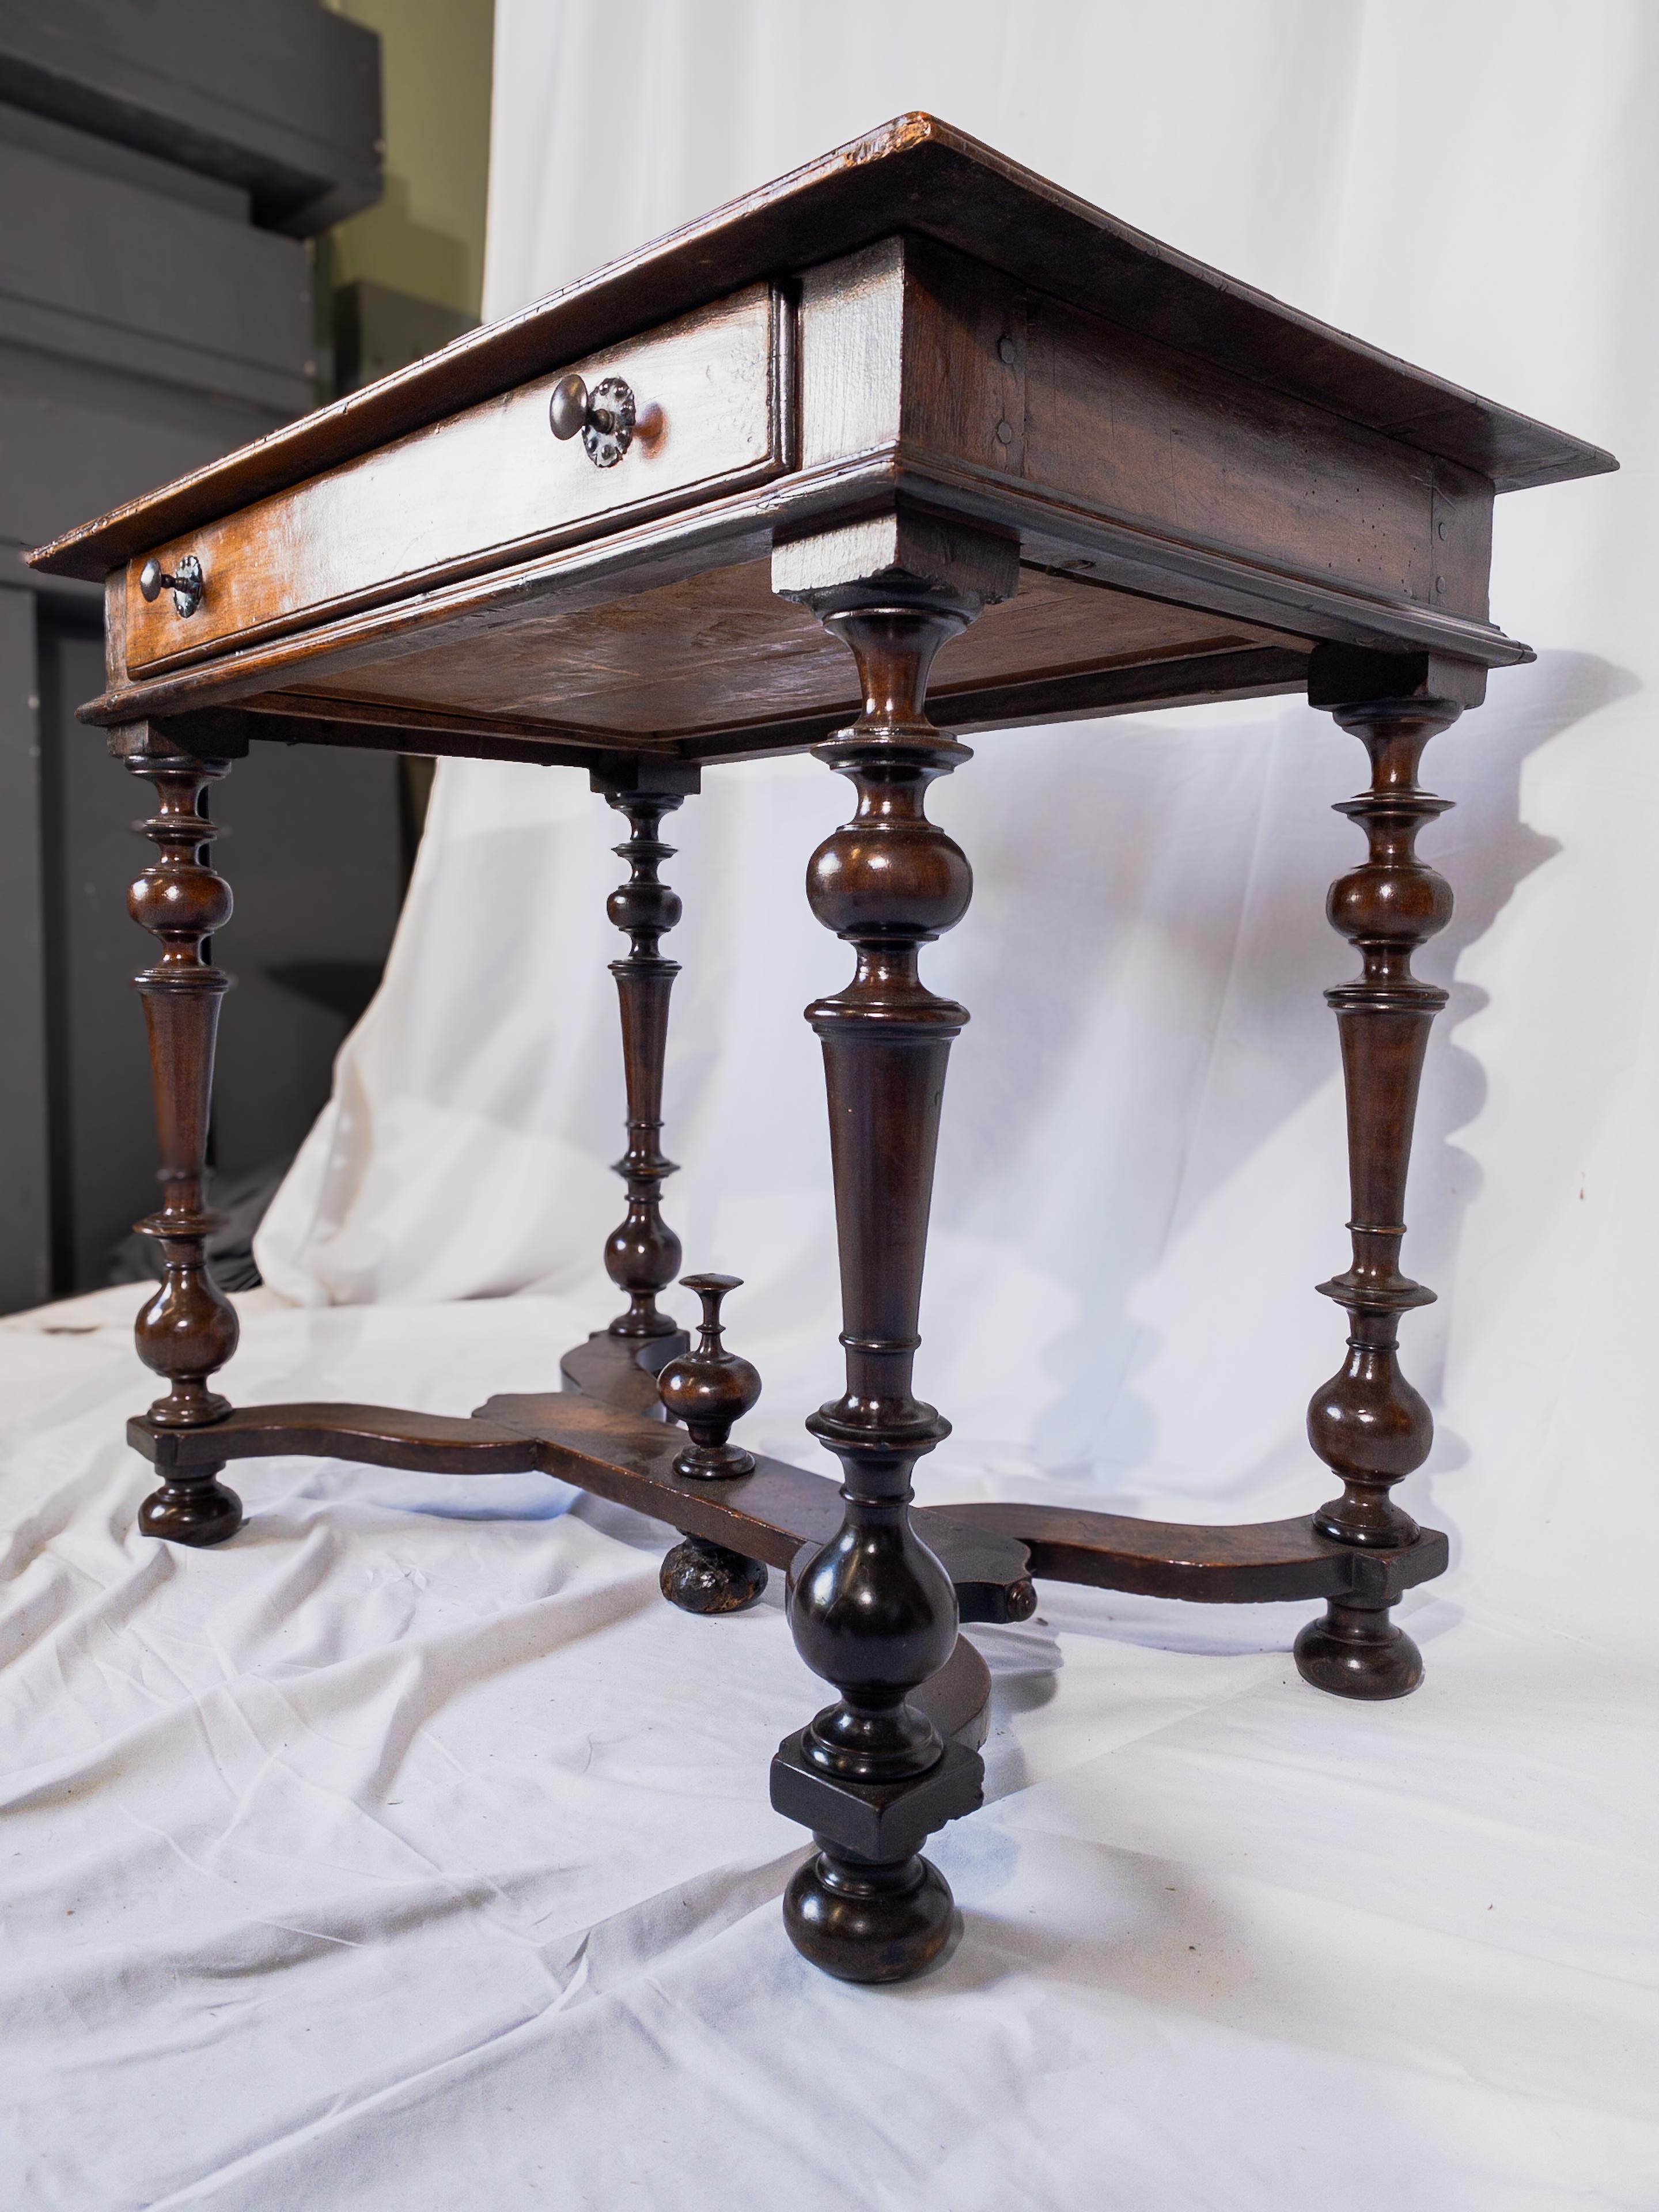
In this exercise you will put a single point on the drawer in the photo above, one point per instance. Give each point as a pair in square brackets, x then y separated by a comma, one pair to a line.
[489, 486]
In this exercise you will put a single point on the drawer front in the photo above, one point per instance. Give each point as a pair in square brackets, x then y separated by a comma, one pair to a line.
[489, 486]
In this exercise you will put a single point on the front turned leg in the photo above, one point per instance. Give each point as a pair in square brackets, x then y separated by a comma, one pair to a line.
[873, 1611]
[1368, 1424]
[188, 1328]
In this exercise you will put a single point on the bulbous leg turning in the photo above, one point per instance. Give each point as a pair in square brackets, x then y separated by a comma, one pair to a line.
[1356, 1651]
[863, 1921]
[193, 1508]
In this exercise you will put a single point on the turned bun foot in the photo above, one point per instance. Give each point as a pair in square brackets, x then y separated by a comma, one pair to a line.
[199, 1511]
[865, 1922]
[702, 1578]
[1358, 1653]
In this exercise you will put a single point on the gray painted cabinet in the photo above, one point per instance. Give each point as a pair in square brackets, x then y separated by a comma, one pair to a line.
[164, 166]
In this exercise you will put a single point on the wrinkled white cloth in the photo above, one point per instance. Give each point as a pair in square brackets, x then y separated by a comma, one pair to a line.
[410, 1853]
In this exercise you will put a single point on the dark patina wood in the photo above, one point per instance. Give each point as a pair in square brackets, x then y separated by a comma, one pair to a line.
[1196, 474]
[1027, 465]
[584, 1442]
[915, 174]
[768, 1514]
[1251, 1563]
[483, 481]
[873, 1611]
[1368, 1424]
[188, 1329]
[642, 1254]
[710, 1389]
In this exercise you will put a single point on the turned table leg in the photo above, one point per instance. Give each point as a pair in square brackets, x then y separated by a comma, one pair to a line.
[1368, 1424]
[873, 1611]
[642, 1253]
[188, 1328]
[620, 1364]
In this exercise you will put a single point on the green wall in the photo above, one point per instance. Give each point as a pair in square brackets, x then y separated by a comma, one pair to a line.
[409, 272]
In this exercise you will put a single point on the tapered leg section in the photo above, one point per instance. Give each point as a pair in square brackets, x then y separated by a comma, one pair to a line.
[642, 1253]
[873, 1611]
[188, 1329]
[1367, 1423]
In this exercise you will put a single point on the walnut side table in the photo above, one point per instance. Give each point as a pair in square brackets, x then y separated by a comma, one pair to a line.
[908, 424]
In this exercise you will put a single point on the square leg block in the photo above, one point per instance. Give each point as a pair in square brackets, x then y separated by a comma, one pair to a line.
[882, 1822]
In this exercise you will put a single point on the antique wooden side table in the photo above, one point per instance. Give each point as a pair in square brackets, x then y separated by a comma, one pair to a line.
[910, 413]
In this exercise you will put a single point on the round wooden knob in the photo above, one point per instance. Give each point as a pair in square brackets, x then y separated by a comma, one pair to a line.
[186, 583]
[709, 1389]
[605, 416]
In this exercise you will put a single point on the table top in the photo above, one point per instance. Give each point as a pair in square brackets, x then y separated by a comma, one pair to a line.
[1202, 483]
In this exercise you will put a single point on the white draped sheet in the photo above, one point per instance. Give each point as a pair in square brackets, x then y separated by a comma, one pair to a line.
[410, 1852]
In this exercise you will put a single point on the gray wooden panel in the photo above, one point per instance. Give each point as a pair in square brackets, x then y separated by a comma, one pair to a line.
[75, 442]
[280, 98]
[103, 1124]
[312, 853]
[112, 272]
[25, 1180]
[146, 327]
[38, 133]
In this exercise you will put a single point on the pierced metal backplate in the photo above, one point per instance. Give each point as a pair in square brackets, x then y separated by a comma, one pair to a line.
[609, 430]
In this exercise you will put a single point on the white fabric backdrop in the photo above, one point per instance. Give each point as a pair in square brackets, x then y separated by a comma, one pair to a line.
[408, 1852]
[1141, 1176]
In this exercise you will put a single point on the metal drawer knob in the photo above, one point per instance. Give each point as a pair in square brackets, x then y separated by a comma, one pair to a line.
[605, 416]
[186, 583]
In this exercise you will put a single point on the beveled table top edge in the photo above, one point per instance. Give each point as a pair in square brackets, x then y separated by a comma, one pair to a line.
[914, 173]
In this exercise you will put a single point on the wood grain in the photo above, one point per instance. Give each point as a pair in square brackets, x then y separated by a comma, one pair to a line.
[717, 651]
[1157, 439]
[1249, 1563]
[1185, 680]
[908, 344]
[766, 1516]
[940, 184]
[909, 347]
[489, 486]
[958, 1699]
[771, 1513]
[370, 1436]
[1367, 1423]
